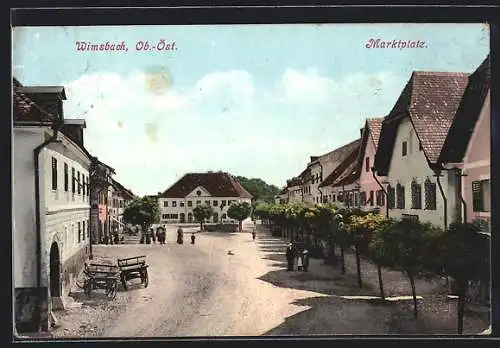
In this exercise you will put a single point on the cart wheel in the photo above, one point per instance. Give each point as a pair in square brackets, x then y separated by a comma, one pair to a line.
[145, 278]
[124, 282]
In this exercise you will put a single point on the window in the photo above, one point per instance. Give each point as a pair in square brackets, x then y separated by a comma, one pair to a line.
[83, 229]
[83, 186]
[224, 216]
[181, 204]
[371, 198]
[430, 195]
[404, 148]
[164, 216]
[73, 187]
[391, 196]
[79, 186]
[216, 203]
[356, 196]
[79, 231]
[66, 177]
[367, 164]
[416, 195]
[165, 203]
[198, 202]
[380, 198]
[333, 198]
[481, 196]
[420, 148]
[400, 192]
[190, 203]
[362, 198]
[54, 173]
[325, 199]
[174, 204]
[340, 197]
[207, 202]
[88, 228]
[174, 216]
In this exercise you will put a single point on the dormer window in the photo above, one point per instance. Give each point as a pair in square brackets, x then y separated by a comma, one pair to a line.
[404, 148]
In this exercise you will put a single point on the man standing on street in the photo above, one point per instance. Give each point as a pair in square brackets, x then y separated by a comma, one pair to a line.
[290, 256]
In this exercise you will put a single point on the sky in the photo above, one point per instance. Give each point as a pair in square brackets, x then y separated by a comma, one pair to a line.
[251, 100]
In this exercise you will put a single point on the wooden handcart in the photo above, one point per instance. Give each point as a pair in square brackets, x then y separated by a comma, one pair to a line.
[99, 276]
[133, 268]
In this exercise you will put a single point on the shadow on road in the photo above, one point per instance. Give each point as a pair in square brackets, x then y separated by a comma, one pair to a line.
[331, 315]
[342, 285]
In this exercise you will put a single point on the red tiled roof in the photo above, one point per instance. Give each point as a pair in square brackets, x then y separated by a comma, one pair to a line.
[467, 115]
[349, 175]
[375, 126]
[26, 110]
[218, 184]
[349, 155]
[431, 100]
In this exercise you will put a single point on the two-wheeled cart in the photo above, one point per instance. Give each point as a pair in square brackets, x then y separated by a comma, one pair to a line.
[133, 268]
[99, 276]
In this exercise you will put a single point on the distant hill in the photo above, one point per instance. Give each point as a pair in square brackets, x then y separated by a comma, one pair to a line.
[259, 189]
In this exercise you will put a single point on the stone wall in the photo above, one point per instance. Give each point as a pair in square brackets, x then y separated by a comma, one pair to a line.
[25, 309]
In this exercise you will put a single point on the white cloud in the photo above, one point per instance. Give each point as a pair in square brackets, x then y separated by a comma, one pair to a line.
[152, 133]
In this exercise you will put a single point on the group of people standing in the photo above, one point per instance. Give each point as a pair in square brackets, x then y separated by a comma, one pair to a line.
[180, 236]
[297, 255]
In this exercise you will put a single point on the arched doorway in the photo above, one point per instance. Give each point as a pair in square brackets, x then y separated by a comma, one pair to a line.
[182, 217]
[216, 217]
[55, 271]
[190, 217]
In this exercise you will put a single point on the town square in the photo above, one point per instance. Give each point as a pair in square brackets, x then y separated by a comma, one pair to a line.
[241, 180]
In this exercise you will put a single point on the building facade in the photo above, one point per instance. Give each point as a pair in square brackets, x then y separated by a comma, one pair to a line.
[411, 139]
[217, 189]
[51, 204]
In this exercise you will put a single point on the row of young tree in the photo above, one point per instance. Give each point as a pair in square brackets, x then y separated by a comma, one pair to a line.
[415, 248]
[145, 211]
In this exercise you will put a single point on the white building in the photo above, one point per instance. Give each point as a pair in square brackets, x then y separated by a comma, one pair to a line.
[410, 143]
[50, 204]
[217, 189]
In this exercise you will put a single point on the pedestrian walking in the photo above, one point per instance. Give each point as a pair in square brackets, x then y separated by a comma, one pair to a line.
[289, 257]
[193, 237]
[305, 256]
[180, 236]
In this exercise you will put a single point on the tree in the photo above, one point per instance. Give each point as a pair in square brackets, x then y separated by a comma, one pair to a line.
[259, 189]
[202, 212]
[463, 253]
[405, 245]
[143, 211]
[239, 211]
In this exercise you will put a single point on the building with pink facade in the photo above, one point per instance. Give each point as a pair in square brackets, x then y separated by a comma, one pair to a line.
[371, 189]
[467, 146]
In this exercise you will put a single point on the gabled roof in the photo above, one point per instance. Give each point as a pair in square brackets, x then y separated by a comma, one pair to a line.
[430, 100]
[102, 164]
[371, 132]
[121, 188]
[467, 115]
[218, 184]
[351, 170]
[349, 155]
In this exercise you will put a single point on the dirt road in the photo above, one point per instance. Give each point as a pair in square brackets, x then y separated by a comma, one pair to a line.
[229, 285]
